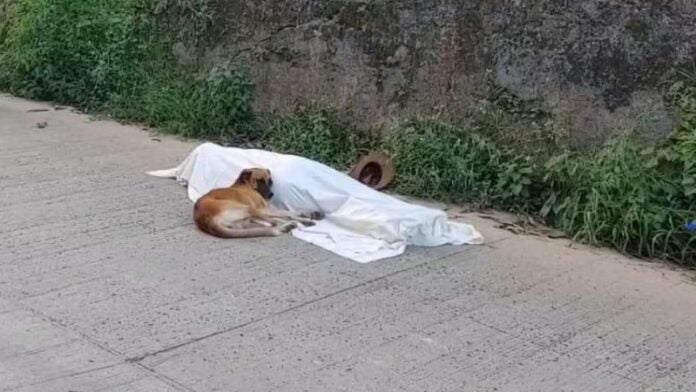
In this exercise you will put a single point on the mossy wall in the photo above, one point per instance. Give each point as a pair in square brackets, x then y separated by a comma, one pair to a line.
[600, 64]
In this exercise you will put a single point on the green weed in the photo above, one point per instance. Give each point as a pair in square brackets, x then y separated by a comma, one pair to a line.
[114, 56]
[679, 153]
[615, 197]
[501, 115]
[636, 200]
[314, 132]
[215, 105]
[74, 52]
[440, 160]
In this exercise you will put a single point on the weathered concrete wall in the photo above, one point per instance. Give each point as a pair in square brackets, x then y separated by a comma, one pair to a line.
[601, 63]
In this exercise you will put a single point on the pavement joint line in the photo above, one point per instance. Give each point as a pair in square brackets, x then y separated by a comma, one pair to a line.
[465, 315]
[296, 307]
[168, 380]
[102, 346]
[66, 327]
[73, 374]
[136, 361]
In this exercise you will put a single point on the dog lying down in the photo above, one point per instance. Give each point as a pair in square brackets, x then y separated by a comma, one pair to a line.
[242, 211]
[361, 224]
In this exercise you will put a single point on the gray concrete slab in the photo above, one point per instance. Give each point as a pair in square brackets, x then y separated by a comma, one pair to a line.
[105, 285]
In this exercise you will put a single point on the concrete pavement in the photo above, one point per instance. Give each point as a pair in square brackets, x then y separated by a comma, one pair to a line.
[105, 285]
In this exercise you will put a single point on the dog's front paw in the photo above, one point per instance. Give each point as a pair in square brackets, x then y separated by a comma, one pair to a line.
[288, 227]
[317, 215]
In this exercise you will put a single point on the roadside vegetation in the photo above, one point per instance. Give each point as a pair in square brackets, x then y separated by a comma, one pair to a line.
[114, 57]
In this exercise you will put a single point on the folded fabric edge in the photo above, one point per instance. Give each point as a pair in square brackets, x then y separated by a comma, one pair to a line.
[167, 173]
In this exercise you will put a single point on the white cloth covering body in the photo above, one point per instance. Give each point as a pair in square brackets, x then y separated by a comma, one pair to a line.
[361, 224]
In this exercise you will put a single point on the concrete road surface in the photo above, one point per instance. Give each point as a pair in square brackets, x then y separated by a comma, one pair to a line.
[105, 285]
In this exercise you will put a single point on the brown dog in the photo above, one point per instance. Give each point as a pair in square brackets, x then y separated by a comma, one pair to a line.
[242, 211]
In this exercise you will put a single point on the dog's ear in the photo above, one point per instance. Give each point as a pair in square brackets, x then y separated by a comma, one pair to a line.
[244, 176]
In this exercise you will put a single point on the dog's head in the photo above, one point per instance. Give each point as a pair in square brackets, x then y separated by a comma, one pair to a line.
[259, 179]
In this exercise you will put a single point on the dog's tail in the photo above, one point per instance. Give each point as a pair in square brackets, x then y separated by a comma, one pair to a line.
[222, 231]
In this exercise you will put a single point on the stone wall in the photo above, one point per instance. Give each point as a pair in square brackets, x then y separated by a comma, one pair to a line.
[602, 64]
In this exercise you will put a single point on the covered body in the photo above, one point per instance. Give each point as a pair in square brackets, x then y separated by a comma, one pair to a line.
[361, 224]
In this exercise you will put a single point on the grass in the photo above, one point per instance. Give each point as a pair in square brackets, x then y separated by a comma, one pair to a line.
[316, 132]
[502, 114]
[615, 197]
[115, 57]
[636, 200]
[66, 50]
[439, 160]
[214, 104]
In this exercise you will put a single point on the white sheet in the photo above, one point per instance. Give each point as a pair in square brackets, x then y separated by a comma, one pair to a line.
[361, 224]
